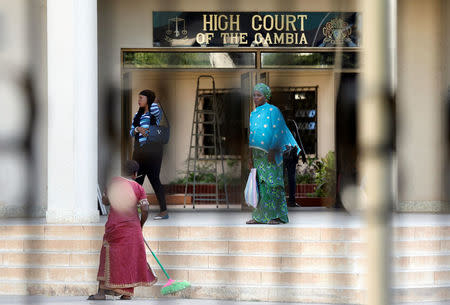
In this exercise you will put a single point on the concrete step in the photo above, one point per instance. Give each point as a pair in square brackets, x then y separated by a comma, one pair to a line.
[328, 248]
[220, 292]
[211, 246]
[243, 232]
[438, 260]
[246, 292]
[205, 260]
[312, 248]
[322, 264]
[328, 279]
[197, 275]
[19, 258]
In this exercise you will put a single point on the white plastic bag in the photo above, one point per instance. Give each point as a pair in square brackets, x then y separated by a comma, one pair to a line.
[251, 190]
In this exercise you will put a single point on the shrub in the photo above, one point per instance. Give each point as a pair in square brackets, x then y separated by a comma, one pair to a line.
[325, 177]
[306, 172]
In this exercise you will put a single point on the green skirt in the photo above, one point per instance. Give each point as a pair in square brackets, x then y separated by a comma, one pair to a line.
[272, 198]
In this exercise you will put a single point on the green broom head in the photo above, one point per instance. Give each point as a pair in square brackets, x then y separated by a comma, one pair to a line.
[174, 286]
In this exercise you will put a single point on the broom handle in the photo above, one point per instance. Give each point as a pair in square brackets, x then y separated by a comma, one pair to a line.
[168, 277]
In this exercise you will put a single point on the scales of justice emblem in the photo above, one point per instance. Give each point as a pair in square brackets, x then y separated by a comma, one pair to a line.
[337, 32]
[176, 29]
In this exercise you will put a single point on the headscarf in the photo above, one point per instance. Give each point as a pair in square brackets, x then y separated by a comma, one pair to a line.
[268, 131]
[264, 89]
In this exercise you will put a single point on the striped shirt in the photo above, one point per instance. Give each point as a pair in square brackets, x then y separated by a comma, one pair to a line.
[145, 122]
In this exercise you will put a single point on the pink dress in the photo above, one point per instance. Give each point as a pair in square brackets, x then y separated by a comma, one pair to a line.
[123, 262]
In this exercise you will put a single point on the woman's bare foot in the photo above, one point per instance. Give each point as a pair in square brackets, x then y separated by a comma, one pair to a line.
[274, 222]
[97, 297]
[111, 292]
[125, 297]
[252, 222]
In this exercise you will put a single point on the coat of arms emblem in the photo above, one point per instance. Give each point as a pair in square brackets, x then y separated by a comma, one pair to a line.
[176, 29]
[337, 33]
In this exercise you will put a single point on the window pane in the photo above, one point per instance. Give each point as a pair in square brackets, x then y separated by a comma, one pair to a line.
[186, 60]
[318, 60]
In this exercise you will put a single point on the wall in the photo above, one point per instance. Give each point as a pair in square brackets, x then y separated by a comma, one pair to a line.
[420, 105]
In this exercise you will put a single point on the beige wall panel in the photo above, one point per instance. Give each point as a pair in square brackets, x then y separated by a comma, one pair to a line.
[420, 101]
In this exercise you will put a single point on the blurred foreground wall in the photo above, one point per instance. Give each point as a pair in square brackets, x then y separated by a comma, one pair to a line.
[23, 80]
[423, 80]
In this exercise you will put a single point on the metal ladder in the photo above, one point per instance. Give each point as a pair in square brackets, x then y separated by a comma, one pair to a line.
[198, 133]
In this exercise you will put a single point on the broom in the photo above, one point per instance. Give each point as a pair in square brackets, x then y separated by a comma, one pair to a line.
[171, 286]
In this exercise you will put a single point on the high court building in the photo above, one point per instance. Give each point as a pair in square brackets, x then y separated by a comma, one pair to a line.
[71, 74]
[88, 60]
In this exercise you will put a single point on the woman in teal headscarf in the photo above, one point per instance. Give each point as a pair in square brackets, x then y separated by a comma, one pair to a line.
[269, 137]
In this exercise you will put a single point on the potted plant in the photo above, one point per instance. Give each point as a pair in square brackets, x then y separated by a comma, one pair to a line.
[320, 174]
[305, 178]
[206, 182]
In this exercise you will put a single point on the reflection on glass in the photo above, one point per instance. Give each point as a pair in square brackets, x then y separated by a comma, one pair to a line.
[318, 60]
[222, 60]
[300, 96]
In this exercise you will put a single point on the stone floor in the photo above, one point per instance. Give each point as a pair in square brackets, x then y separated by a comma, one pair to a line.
[34, 300]
[82, 300]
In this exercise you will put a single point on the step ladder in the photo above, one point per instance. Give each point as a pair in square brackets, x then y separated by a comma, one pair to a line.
[200, 163]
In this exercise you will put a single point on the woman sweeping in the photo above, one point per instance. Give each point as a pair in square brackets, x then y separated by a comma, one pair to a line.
[269, 137]
[123, 262]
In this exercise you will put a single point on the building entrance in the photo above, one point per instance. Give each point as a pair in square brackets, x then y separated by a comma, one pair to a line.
[305, 96]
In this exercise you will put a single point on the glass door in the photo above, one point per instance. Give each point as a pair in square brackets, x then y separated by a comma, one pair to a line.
[248, 80]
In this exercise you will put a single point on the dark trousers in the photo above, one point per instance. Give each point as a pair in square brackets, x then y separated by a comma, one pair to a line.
[290, 162]
[149, 158]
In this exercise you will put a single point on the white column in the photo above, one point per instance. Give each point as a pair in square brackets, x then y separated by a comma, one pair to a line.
[72, 110]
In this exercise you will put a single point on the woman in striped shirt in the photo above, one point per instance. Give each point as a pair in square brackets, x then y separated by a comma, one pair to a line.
[148, 155]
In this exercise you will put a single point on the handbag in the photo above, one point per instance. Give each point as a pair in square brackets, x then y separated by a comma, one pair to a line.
[159, 134]
[251, 193]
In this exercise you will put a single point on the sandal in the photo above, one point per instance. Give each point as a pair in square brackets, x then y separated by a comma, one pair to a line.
[125, 297]
[273, 222]
[252, 222]
[97, 297]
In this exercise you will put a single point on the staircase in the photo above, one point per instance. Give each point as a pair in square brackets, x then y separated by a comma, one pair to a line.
[287, 263]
